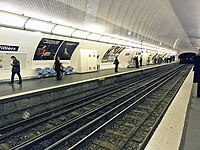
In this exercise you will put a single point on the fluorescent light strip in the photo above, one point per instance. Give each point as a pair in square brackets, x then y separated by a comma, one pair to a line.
[121, 42]
[12, 20]
[105, 39]
[80, 34]
[63, 30]
[94, 36]
[19, 21]
[114, 40]
[39, 25]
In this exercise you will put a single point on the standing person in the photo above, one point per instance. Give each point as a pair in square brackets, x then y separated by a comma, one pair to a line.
[196, 70]
[57, 68]
[116, 62]
[141, 61]
[136, 62]
[15, 70]
[155, 61]
[148, 61]
[98, 63]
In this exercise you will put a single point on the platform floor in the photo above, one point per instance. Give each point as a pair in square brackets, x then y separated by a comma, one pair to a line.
[34, 85]
[180, 127]
[191, 133]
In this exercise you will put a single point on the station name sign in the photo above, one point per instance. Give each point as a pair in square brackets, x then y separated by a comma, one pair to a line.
[8, 48]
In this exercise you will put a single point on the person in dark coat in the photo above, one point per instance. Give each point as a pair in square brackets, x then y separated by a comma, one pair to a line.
[155, 61]
[57, 68]
[15, 70]
[196, 69]
[141, 61]
[136, 62]
[116, 62]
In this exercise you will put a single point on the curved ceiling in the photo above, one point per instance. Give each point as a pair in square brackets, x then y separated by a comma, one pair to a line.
[188, 12]
[166, 23]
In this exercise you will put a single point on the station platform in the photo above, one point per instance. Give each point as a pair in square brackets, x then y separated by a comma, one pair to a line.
[36, 85]
[180, 127]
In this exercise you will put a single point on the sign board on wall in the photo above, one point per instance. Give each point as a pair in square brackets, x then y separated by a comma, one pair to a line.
[8, 48]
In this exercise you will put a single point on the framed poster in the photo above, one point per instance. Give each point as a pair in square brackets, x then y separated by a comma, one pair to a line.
[66, 50]
[46, 49]
[113, 51]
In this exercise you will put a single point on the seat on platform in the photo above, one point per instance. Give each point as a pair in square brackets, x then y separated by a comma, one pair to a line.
[47, 69]
[41, 72]
[70, 68]
[50, 71]
[66, 70]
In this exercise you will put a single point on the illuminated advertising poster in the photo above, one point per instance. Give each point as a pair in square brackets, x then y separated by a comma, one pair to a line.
[47, 48]
[109, 56]
[66, 50]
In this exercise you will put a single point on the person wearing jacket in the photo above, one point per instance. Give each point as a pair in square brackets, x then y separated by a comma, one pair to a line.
[57, 67]
[196, 69]
[15, 70]
[116, 62]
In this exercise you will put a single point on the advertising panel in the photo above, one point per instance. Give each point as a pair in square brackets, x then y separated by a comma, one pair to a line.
[111, 53]
[66, 50]
[46, 49]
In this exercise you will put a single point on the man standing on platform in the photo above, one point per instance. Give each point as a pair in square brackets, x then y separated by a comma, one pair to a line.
[15, 70]
[58, 68]
[116, 62]
[141, 61]
[136, 61]
[196, 70]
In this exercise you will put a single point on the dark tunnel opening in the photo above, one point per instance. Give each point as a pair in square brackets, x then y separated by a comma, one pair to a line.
[186, 58]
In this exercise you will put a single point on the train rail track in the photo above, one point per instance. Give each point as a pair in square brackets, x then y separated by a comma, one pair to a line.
[129, 127]
[44, 131]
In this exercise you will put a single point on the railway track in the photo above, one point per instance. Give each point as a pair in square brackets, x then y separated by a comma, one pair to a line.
[44, 131]
[131, 126]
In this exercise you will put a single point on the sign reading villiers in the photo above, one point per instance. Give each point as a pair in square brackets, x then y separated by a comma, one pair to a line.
[8, 48]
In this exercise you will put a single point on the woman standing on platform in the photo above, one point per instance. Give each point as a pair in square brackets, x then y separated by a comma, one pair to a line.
[57, 68]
